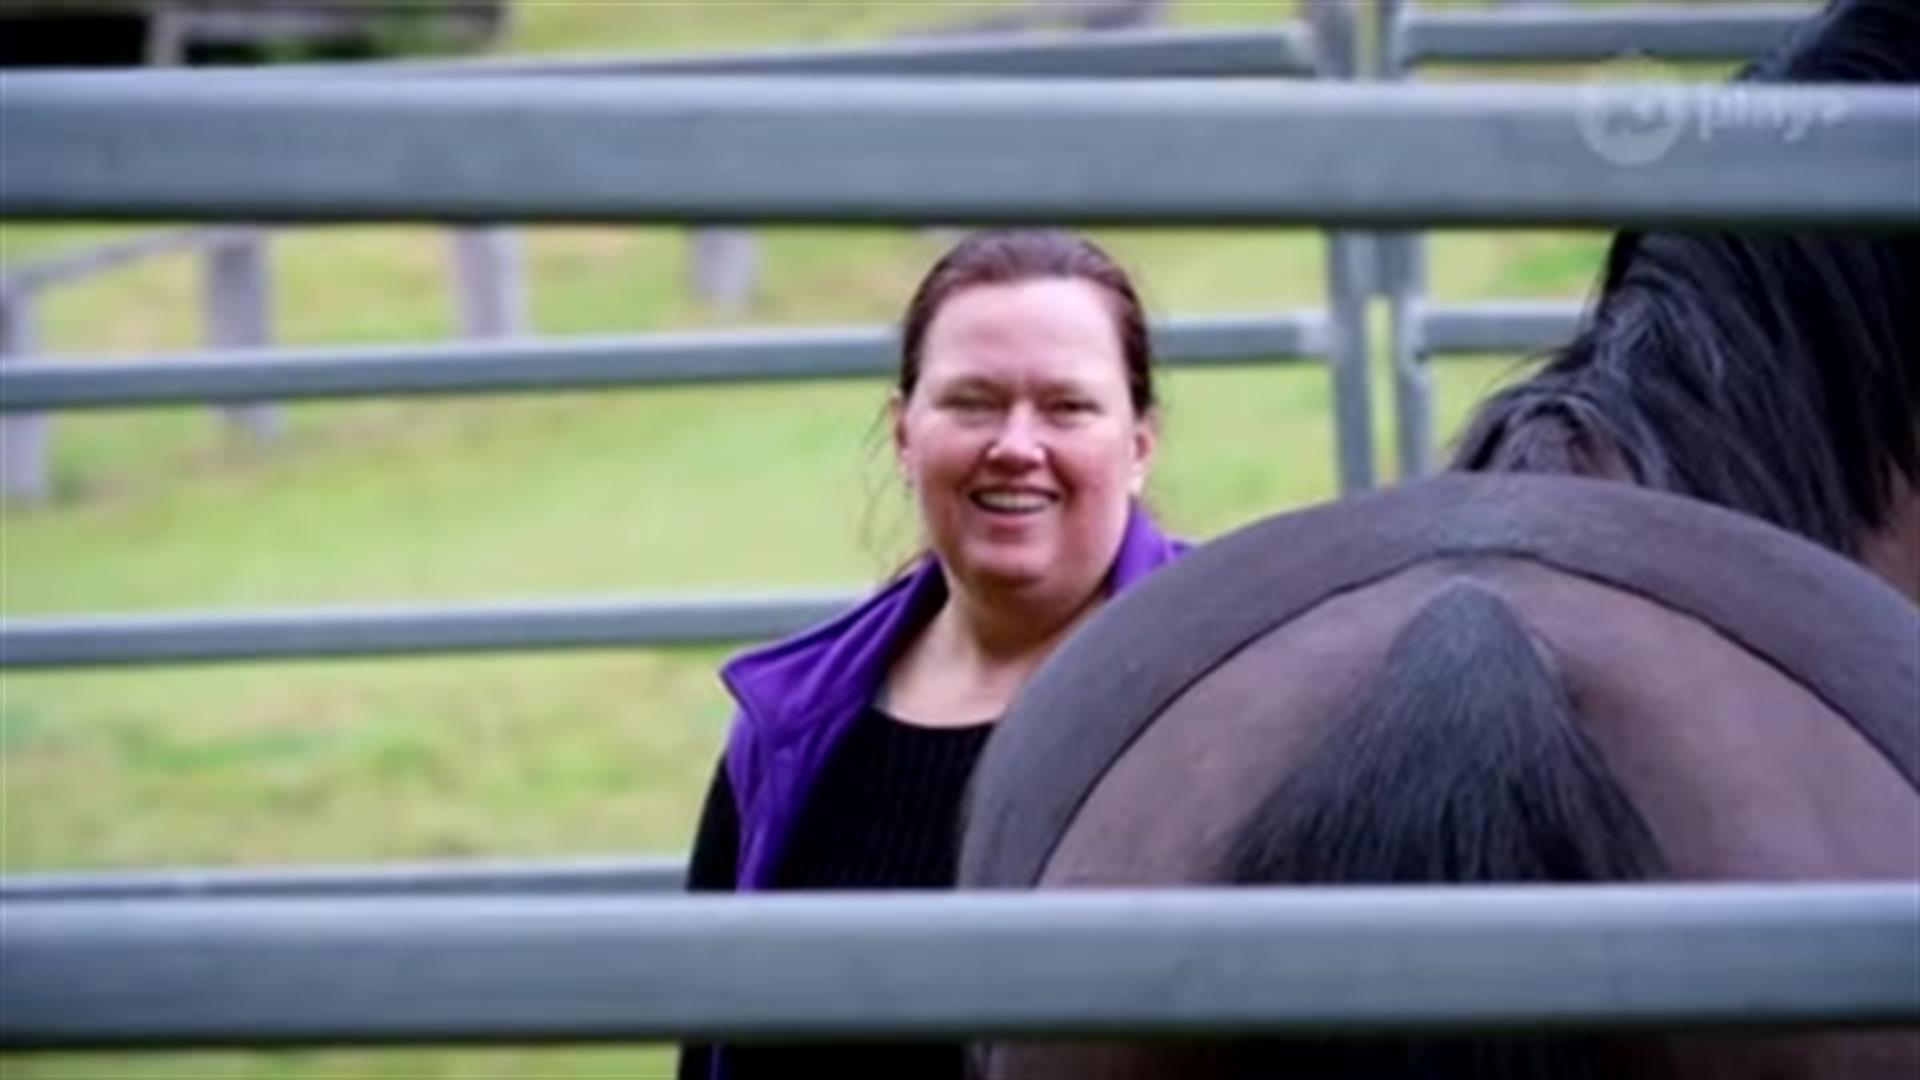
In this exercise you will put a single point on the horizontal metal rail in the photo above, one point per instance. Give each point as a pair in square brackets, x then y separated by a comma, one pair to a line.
[859, 149]
[452, 877]
[1521, 326]
[60, 267]
[1547, 35]
[161, 973]
[173, 637]
[573, 363]
[1262, 52]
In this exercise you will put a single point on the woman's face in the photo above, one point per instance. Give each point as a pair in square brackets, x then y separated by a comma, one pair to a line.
[1020, 441]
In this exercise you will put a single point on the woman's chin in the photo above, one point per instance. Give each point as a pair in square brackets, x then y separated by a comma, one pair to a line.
[1010, 575]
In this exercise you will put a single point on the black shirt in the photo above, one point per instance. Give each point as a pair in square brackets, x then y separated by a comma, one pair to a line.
[883, 814]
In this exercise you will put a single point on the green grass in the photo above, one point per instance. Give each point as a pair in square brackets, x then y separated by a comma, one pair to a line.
[634, 492]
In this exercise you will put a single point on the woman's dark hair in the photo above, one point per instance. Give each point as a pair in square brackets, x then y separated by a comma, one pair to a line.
[1006, 256]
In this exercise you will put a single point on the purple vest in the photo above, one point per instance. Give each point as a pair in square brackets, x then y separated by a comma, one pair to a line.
[798, 696]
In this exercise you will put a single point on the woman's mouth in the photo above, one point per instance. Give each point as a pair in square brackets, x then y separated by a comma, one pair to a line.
[1012, 500]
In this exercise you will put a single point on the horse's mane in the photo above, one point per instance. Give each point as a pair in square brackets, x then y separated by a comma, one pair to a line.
[1769, 372]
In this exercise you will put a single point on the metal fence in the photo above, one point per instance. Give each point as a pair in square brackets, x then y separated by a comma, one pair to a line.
[456, 108]
[235, 301]
[379, 970]
[237, 316]
[522, 952]
[1414, 37]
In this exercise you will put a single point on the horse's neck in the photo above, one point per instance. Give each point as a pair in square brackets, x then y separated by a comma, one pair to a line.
[1552, 444]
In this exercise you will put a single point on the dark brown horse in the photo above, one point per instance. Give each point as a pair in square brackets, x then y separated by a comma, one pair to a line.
[1658, 622]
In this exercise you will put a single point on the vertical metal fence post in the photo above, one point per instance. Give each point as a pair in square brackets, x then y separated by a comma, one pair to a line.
[723, 266]
[1337, 41]
[237, 303]
[1348, 350]
[23, 437]
[1403, 280]
[490, 282]
[166, 44]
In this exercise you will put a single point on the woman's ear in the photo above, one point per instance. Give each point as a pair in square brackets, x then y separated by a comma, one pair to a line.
[1146, 439]
[897, 421]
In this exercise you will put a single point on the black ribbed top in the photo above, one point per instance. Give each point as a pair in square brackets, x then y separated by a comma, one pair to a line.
[884, 813]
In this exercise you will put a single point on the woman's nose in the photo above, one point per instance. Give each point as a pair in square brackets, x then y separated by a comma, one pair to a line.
[1019, 439]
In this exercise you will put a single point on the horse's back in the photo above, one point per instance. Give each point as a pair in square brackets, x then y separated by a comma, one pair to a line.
[1749, 698]
[1751, 643]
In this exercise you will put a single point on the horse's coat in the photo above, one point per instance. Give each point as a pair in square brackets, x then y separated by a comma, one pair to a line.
[1258, 590]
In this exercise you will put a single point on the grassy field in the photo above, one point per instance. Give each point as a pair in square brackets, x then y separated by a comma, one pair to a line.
[731, 489]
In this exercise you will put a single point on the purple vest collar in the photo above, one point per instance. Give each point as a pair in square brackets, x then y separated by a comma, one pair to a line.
[798, 695]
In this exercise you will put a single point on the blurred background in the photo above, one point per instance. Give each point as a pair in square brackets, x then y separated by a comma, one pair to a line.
[712, 489]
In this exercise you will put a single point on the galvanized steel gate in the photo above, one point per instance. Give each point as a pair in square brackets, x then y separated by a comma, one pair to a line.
[596, 949]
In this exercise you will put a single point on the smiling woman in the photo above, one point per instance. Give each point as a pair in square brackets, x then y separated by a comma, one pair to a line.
[1024, 422]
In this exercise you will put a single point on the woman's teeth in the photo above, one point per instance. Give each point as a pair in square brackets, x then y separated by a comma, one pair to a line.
[1011, 502]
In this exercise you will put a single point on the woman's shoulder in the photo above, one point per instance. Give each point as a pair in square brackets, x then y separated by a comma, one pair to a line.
[838, 658]
[1144, 548]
